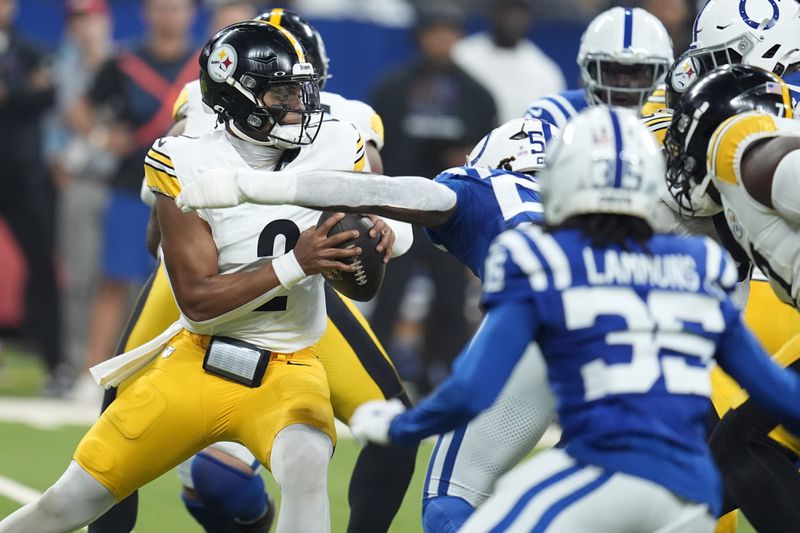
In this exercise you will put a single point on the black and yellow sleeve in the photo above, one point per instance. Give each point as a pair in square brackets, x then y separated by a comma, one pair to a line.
[361, 155]
[658, 124]
[159, 172]
[180, 106]
[728, 140]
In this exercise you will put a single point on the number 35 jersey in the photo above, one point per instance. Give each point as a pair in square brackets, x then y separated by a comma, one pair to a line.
[488, 202]
[628, 337]
[246, 233]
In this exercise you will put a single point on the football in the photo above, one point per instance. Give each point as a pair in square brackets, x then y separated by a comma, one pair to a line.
[363, 284]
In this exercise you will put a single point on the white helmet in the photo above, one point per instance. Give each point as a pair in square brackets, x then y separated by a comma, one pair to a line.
[624, 55]
[761, 33]
[518, 145]
[606, 161]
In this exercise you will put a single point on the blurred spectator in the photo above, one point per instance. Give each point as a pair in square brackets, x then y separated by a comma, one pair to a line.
[227, 12]
[384, 12]
[577, 10]
[506, 62]
[81, 168]
[137, 87]
[26, 93]
[434, 113]
[677, 17]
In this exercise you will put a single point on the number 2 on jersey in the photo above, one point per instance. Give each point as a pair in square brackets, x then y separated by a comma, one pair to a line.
[269, 244]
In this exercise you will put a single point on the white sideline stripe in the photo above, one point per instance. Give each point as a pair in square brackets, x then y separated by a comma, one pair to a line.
[45, 413]
[18, 492]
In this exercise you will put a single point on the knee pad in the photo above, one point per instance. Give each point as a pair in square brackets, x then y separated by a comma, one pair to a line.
[300, 456]
[445, 514]
[227, 489]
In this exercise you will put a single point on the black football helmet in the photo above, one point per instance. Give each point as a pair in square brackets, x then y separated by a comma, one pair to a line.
[248, 62]
[680, 76]
[715, 97]
[308, 36]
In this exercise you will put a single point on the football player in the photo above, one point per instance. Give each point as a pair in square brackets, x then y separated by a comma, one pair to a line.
[464, 208]
[623, 56]
[731, 150]
[222, 485]
[765, 34]
[628, 323]
[241, 363]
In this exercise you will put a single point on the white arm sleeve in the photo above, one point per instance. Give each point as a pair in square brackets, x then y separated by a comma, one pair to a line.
[147, 196]
[328, 188]
[403, 236]
[786, 186]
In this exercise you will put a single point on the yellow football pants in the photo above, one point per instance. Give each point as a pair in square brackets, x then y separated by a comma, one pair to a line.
[174, 409]
[355, 362]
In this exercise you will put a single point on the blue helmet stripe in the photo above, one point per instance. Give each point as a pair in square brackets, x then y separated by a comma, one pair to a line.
[697, 21]
[628, 35]
[483, 149]
[548, 133]
[618, 147]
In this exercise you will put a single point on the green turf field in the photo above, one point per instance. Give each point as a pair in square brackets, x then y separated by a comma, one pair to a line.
[35, 457]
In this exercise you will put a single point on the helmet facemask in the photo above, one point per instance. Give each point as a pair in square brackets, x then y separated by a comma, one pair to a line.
[687, 180]
[286, 114]
[609, 81]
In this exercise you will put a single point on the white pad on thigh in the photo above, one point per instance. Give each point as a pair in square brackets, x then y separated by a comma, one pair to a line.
[555, 493]
[69, 504]
[299, 461]
[467, 462]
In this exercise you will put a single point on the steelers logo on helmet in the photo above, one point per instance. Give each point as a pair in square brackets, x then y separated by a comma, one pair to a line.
[222, 63]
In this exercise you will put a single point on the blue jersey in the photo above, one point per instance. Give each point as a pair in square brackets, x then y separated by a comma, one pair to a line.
[558, 109]
[628, 337]
[488, 203]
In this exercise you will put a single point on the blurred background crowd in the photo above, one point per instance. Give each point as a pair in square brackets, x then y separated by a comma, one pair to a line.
[87, 85]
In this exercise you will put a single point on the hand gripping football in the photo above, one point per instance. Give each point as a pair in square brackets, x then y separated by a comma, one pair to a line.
[363, 284]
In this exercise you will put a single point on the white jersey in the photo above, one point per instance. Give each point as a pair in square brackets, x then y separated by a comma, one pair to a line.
[201, 120]
[293, 319]
[771, 241]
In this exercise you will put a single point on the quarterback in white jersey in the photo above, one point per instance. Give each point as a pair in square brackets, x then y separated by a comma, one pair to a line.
[200, 120]
[240, 364]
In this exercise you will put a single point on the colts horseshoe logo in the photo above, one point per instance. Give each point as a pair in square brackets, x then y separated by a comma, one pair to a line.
[755, 24]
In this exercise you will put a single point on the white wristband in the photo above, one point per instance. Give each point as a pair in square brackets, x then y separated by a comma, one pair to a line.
[288, 270]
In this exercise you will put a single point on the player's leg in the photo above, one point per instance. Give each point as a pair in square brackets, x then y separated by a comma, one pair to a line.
[299, 462]
[358, 371]
[287, 423]
[69, 504]
[760, 473]
[555, 493]
[467, 462]
[154, 424]
[224, 491]
[155, 309]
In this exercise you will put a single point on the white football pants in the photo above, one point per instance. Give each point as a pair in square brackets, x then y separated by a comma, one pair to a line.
[552, 493]
[467, 462]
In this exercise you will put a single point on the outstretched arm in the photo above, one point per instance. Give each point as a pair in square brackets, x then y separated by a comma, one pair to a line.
[479, 374]
[411, 199]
